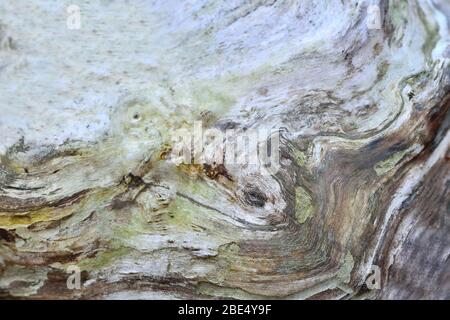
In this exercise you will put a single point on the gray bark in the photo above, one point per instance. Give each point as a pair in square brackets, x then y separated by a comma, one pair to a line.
[89, 175]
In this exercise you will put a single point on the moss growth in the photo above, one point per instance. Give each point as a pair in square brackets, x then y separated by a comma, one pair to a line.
[212, 100]
[300, 157]
[89, 203]
[303, 205]
[46, 214]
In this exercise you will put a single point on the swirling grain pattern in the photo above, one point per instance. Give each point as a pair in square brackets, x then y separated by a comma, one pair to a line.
[86, 122]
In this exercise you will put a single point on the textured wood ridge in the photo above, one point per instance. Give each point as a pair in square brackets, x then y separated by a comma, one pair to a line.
[86, 123]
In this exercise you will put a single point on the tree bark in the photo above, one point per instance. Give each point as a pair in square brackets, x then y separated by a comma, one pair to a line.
[92, 183]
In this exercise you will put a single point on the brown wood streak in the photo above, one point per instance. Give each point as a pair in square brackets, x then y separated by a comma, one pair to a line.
[420, 267]
[358, 118]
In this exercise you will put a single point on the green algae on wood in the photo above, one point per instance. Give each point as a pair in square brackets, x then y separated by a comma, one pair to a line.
[303, 205]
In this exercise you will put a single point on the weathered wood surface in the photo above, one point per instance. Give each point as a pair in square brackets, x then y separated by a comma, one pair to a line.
[86, 122]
